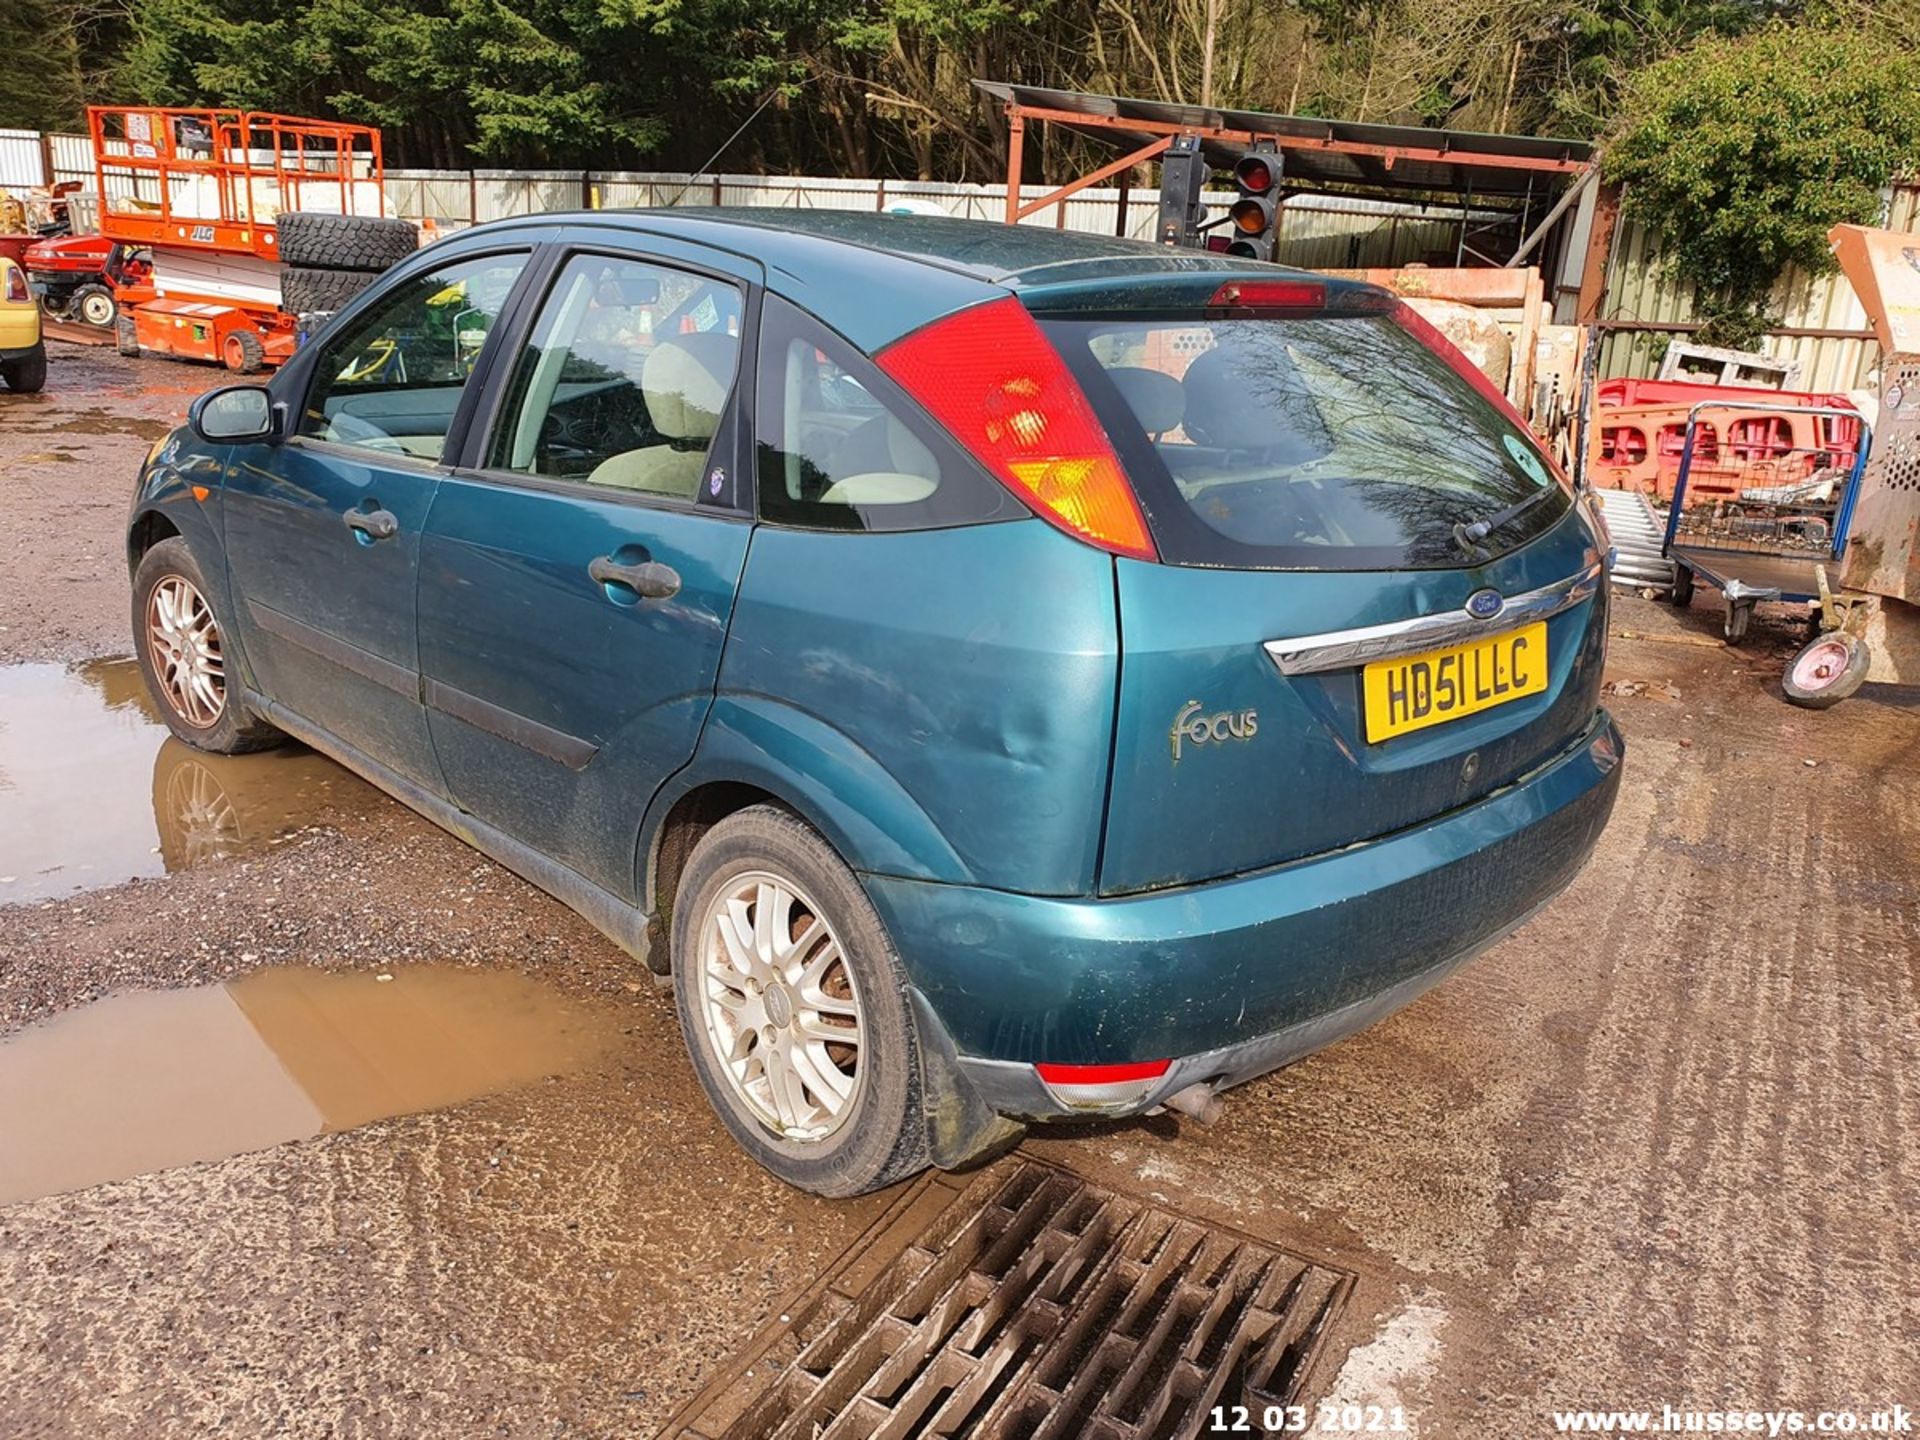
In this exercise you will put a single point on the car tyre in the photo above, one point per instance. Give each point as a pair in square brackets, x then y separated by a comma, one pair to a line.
[1826, 671]
[308, 292]
[183, 657]
[322, 241]
[125, 338]
[28, 374]
[768, 924]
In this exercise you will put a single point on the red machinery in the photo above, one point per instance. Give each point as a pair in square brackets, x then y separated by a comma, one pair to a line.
[81, 277]
[1750, 439]
[201, 190]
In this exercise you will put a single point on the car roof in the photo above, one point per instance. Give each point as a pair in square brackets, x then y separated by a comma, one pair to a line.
[876, 276]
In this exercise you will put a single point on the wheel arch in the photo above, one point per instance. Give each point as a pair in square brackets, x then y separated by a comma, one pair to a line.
[728, 776]
[147, 529]
[756, 750]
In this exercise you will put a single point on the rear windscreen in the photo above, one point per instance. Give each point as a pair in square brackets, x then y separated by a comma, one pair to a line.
[1335, 442]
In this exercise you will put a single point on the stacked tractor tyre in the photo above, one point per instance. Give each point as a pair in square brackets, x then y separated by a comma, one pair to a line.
[326, 260]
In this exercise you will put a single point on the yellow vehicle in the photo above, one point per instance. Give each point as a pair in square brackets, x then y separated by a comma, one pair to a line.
[23, 354]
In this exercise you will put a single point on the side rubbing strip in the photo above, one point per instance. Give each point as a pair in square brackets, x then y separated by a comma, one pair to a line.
[364, 663]
[1344, 649]
[569, 750]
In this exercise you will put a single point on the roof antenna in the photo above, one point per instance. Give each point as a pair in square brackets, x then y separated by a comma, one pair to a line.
[729, 140]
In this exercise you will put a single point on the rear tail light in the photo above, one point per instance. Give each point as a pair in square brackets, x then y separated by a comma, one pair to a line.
[17, 286]
[1000, 387]
[1102, 1087]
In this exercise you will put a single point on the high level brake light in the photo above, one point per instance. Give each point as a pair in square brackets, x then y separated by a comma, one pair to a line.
[997, 383]
[1269, 295]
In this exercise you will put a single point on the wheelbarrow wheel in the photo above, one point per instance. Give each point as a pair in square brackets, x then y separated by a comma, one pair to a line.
[1826, 671]
[1739, 615]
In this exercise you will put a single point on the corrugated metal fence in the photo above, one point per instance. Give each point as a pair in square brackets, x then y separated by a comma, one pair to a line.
[1823, 326]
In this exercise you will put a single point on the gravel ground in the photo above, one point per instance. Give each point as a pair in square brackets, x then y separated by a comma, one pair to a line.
[1655, 1148]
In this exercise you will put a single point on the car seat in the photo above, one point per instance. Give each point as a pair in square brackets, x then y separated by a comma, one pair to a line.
[684, 382]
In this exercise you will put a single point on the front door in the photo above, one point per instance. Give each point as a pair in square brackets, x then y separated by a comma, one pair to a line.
[323, 529]
[577, 581]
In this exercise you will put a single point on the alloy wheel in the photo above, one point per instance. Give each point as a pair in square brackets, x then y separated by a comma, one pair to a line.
[781, 1012]
[183, 644]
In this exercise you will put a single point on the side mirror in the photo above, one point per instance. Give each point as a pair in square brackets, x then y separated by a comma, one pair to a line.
[231, 414]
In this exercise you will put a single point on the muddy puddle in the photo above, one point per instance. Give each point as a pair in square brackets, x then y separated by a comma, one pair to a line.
[150, 1080]
[95, 791]
[48, 419]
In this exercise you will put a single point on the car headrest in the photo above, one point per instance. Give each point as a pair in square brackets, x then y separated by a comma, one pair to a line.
[1158, 401]
[1251, 400]
[685, 383]
[885, 445]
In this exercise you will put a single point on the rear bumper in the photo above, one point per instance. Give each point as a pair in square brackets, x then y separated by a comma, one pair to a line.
[1234, 978]
[10, 353]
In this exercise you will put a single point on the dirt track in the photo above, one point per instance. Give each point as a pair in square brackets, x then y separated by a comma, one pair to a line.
[1657, 1147]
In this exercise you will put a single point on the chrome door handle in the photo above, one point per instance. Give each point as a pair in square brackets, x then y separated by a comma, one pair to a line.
[374, 524]
[650, 580]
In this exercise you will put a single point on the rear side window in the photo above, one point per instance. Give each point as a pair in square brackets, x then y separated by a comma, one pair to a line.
[841, 447]
[1334, 442]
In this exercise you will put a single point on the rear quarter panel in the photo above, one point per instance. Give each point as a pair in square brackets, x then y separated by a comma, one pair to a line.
[944, 699]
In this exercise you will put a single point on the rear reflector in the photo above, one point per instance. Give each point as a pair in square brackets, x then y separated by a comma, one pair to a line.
[1102, 1087]
[1000, 387]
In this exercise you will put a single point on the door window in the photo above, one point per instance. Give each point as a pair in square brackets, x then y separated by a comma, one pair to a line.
[391, 378]
[624, 379]
[841, 448]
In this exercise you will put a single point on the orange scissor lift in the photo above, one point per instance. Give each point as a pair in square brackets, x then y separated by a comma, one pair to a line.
[202, 189]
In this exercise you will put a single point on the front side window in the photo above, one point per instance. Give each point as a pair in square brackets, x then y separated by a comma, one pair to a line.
[1336, 442]
[841, 448]
[624, 379]
[391, 379]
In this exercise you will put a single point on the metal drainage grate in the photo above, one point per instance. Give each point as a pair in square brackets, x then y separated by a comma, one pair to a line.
[1028, 1303]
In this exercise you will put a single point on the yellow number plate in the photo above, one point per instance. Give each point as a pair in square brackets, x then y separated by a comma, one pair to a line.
[1416, 691]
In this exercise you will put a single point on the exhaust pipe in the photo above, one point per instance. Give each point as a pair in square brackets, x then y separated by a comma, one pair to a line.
[1198, 1103]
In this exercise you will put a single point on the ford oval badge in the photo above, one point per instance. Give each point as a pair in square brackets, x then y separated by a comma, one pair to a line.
[1485, 604]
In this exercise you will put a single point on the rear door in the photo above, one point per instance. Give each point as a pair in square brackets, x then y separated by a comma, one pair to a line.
[323, 529]
[578, 575]
[1322, 658]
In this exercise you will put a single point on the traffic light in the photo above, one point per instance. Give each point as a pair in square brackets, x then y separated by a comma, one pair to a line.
[1183, 183]
[1254, 216]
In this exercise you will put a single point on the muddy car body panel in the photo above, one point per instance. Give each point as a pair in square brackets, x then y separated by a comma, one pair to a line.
[1102, 824]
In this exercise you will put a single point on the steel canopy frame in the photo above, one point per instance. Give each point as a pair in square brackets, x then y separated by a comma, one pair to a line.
[1332, 153]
